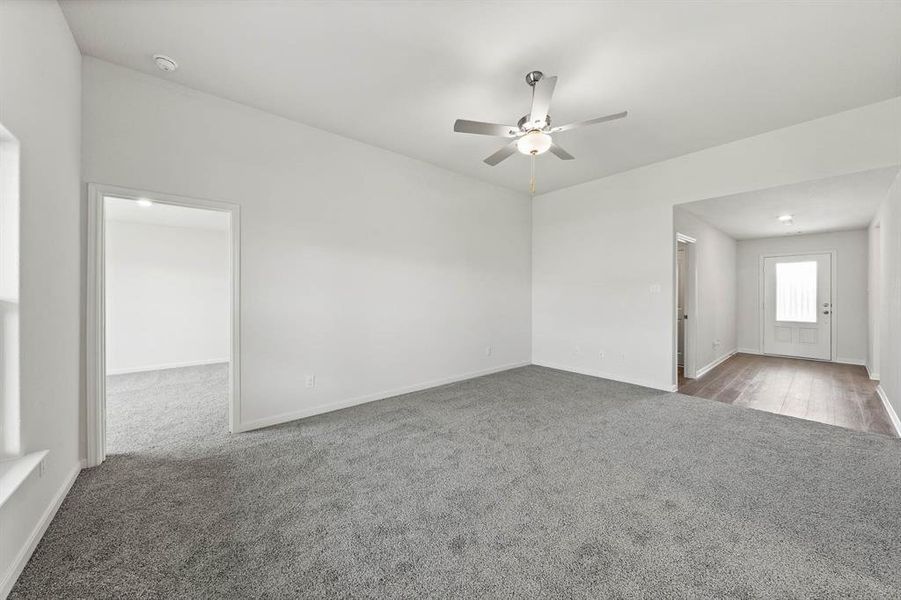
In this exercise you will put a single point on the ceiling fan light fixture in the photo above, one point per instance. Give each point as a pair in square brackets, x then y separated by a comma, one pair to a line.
[534, 142]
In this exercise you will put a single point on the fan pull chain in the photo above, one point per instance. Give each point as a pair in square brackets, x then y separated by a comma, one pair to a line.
[532, 181]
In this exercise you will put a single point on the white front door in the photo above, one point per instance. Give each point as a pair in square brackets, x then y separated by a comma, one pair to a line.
[798, 306]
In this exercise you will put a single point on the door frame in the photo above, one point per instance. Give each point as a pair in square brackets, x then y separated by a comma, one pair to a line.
[689, 359]
[95, 318]
[761, 300]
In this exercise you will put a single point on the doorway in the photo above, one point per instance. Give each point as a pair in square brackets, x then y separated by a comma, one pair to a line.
[797, 305]
[685, 305]
[681, 271]
[163, 314]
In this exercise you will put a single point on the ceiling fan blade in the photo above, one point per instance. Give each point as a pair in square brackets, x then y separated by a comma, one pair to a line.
[569, 126]
[480, 128]
[560, 152]
[541, 100]
[505, 152]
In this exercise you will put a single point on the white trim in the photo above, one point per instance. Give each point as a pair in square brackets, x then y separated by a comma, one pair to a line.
[690, 331]
[833, 285]
[890, 410]
[15, 470]
[666, 387]
[851, 361]
[748, 351]
[714, 364]
[178, 365]
[95, 358]
[842, 361]
[870, 374]
[332, 406]
[21, 559]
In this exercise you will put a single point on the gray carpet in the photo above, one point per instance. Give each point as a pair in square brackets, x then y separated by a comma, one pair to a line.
[532, 483]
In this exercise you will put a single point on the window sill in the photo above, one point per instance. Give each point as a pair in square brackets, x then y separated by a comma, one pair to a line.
[14, 471]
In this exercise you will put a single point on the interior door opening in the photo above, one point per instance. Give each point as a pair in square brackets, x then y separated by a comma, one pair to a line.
[167, 300]
[680, 303]
[684, 308]
[163, 333]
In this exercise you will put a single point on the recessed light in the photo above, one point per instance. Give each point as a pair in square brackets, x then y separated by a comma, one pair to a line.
[144, 203]
[165, 63]
[785, 218]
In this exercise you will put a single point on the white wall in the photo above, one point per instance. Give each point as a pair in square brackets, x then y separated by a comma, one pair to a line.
[850, 316]
[40, 103]
[601, 248]
[889, 286]
[715, 254]
[167, 296]
[373, 271]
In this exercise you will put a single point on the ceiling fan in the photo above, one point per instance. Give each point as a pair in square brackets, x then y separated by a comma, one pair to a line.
[532, 134]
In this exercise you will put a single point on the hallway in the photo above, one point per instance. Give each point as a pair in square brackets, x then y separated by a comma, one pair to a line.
[831, 393]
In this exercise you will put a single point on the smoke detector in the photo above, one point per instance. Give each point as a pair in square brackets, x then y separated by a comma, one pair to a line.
[165, 63]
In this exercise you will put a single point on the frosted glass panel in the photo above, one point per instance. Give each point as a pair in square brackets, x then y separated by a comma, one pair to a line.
[796, 292]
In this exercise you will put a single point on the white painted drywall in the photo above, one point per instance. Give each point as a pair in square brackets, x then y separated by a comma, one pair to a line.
[889, 286]
[40, 103]
[850, 316]
[715, 257]
[600, 249]
[373, 271]
[167, 296]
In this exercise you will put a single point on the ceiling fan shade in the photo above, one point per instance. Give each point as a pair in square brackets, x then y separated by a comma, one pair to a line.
[534, 142]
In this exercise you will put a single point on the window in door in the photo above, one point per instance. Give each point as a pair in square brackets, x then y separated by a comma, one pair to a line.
[796, 292]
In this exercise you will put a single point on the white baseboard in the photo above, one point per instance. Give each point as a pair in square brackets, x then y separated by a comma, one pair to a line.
[844, 361]
[332, 406]
[851, 361]
[667, 387]
[18, 564]
[892, 415]
[872, 375]
[711, 366]
[176, 365]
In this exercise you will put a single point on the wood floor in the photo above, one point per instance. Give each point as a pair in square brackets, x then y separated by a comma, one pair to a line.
[830, 393]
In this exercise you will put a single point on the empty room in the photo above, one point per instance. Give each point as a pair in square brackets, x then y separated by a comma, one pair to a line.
[405, 299]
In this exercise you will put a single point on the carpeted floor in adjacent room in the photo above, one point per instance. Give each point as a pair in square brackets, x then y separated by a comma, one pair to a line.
[532, 483]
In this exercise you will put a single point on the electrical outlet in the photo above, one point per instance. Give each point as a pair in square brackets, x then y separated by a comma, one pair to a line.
[487, 350]
[311, 381]
[655, 288]
[601, 353]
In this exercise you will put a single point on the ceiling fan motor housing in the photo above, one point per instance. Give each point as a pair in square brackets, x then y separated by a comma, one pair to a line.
[525, 125]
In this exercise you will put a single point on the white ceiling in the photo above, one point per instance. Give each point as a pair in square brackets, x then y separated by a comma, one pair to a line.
[397, 74]
[123, 209]
[833, 204]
